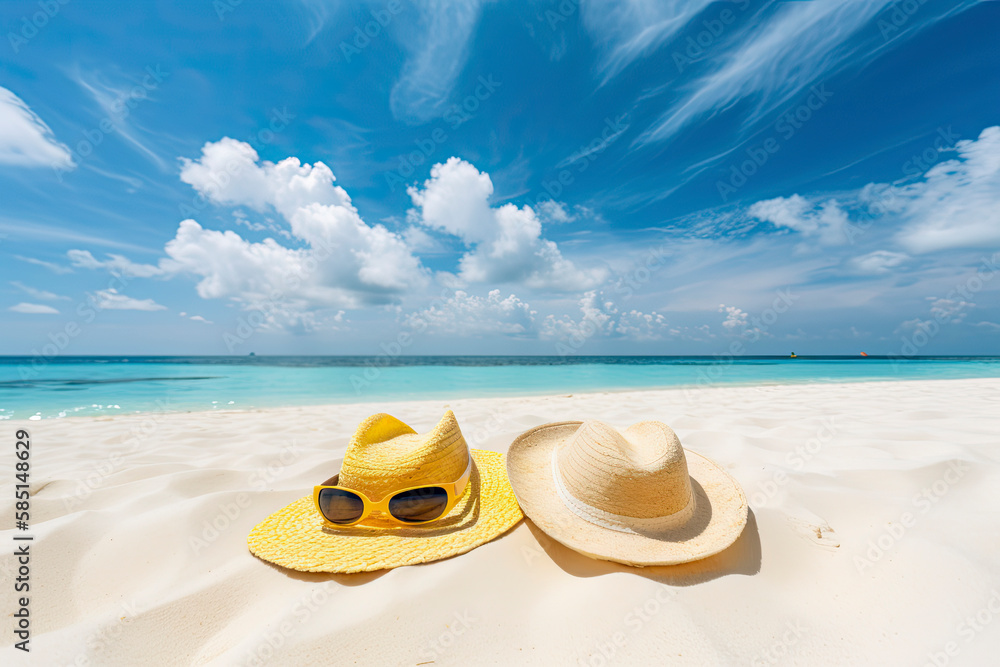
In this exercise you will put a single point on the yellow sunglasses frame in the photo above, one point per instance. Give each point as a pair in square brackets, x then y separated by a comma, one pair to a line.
[453, 489]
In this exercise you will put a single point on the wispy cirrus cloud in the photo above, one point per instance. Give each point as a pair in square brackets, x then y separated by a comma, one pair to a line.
[111, 299]
[629, 29]
[798, 44]
[33, 229]
[878, 262]
[33, 309]
[196, 318]
[83, 259]
[117, 100]
[57, 269]
[317, 16]
[437, 55]
[44, 295]
[25, 139]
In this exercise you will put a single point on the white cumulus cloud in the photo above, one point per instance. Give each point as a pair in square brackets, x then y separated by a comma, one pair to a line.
[954, 204]
[957, 203]
[341, 261]
[600, 317]
[735, 317]
[554, 212]
[826, 222]
[347, 263]
[506, 244]
[637, 325]
[949, 310]
[878, 262]
[230, 172]
[466, 314]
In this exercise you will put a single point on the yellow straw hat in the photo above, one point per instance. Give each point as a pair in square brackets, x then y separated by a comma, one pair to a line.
[386, 455]
[635, 497]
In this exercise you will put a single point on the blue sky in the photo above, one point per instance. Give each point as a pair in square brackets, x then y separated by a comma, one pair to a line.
[593, 177]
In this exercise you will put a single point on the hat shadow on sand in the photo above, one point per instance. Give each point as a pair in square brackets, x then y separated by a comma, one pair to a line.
[741, 557]
[352, 579]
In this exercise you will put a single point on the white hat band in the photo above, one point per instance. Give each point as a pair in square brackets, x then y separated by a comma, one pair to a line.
[619, 522]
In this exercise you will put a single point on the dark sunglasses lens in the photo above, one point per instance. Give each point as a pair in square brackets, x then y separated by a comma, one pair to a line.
[339, 506]
[419, 504]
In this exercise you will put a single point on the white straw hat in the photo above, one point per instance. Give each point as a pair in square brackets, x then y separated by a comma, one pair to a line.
[635, 497]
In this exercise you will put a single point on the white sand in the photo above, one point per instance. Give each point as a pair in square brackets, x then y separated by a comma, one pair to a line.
[118, 580]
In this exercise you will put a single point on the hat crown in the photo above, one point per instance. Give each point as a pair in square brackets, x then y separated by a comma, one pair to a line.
[386, 455]
[641, 473]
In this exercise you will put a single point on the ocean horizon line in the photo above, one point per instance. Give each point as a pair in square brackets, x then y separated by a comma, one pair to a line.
[79, 385]
[568, 357]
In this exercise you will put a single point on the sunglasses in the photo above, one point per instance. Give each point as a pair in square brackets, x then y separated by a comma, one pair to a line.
[417, 504]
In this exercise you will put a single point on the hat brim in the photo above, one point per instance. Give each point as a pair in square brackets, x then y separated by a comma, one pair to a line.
[296, 537]
[719, 518]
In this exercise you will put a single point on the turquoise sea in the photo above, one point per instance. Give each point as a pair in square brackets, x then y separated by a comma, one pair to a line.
[69, 386]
